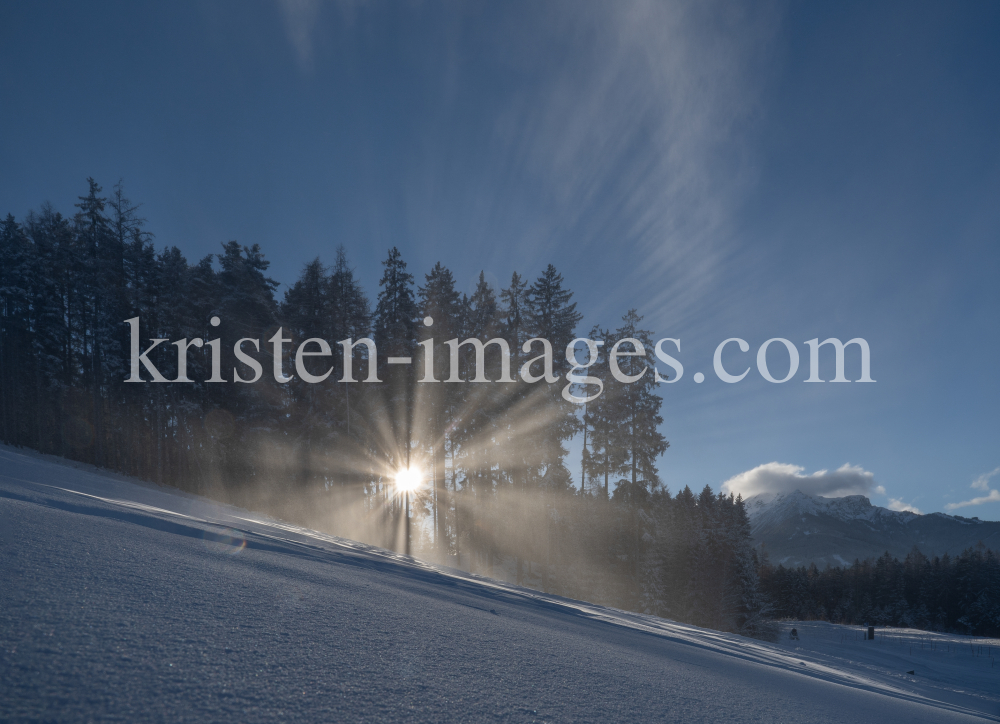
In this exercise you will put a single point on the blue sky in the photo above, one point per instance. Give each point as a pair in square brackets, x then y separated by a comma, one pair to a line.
[793, 170]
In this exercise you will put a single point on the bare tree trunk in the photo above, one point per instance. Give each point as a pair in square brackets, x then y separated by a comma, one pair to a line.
[98, 405]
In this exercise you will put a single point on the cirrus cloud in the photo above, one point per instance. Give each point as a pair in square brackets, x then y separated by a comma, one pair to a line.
[300, 22]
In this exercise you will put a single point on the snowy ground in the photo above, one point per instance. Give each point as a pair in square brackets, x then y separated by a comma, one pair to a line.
[947, 667]
[123, 602]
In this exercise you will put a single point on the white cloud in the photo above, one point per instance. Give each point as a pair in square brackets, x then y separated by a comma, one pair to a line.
[980, 483]
[993, 497]
[784, 478]
[898, 504]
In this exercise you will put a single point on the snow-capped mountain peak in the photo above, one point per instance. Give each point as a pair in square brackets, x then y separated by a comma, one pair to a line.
[770, 506]
[797, 529]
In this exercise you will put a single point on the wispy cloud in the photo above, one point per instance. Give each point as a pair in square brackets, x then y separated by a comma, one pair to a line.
[300, 18]
[601, 125]
[980, 483]
[983, 481]
[632, 133]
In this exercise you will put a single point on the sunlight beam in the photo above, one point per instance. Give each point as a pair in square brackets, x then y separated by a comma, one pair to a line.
[408, 479]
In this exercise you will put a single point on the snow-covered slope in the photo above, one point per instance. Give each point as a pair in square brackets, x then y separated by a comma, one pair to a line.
[126, 602]
[799, 529]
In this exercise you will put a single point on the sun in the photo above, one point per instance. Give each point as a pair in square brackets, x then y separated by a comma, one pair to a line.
[408, 479]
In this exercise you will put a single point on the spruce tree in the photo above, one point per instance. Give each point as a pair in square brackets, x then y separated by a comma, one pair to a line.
[394, 329]
[350, 318]
[439, 403]
[481, 418]
[16, 361]
[516, 434]
[636, 406]
[603, 458]
[100, 291]
[54, 287]
[395, 312]
[244, 296]
[552, 316]
[304, 313]
[349, 309]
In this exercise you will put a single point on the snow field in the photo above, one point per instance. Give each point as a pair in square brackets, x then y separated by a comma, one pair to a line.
[121, 601]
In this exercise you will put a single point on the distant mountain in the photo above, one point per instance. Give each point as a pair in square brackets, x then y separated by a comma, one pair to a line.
[798, 529]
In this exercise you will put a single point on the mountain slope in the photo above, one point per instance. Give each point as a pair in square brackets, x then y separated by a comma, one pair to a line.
[127, 602]
[798, 529]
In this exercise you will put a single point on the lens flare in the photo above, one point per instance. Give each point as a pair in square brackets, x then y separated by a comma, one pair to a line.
[227, 541]
[408, 479]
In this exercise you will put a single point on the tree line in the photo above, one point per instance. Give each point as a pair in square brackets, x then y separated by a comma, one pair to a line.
[947, 593]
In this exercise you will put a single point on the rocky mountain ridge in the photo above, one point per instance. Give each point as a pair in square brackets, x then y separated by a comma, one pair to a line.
[796, 529]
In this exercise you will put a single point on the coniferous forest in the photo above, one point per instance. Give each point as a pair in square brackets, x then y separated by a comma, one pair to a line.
[945, 593]
[498, 495]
